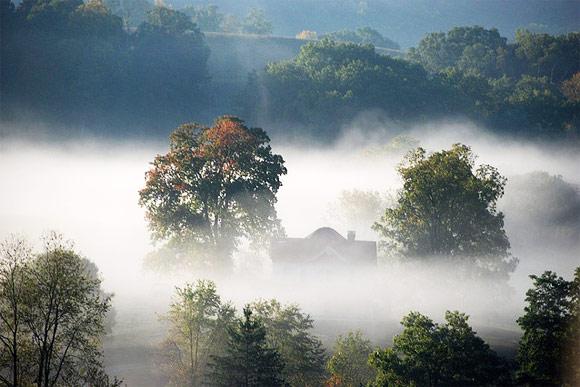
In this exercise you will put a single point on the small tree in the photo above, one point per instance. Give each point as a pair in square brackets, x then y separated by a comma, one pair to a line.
[215, 186]
[546, 355]
[448, 209]
[349, 361]
[288, 331]
[198, 322]
[248, 360]
[429, 354]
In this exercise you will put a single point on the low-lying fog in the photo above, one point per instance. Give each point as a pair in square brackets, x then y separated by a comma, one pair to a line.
[88, 191]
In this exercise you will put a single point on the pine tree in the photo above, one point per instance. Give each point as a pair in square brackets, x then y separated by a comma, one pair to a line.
[248, 361]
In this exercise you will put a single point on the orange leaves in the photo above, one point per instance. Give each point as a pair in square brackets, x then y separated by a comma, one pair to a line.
[228, 133]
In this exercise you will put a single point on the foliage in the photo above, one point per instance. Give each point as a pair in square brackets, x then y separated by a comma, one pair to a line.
[431, 354]
[256, 22]
[307, 35]
[539, 201]
[248, 360]
[571, 88]
[207, 17]
[365, 35]
[198, 329]
[469, 48]
[329, 82]
[548, 351]
[288, 331]
[85, 62]
[358, 210]
[216, 185]
[448, 209]
[53, 316]
[349, 361]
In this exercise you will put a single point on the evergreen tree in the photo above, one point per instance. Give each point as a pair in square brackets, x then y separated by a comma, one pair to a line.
[248, 361]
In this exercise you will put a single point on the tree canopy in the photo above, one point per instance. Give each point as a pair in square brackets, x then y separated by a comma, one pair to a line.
[548, 352]
[349, 365]
[288, 330]
[431, 354]
[198, 322]
[215, 185]
[447, 208]
[53, 315]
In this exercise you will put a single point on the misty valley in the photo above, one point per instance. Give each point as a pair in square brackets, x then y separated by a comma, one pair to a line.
[238, 193]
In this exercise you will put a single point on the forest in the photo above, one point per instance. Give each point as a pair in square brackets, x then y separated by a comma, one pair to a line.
[91, 72]
[375, 193]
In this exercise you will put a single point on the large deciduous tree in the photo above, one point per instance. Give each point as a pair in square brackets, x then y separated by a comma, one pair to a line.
[549, 349]
[447, 208]
[431, 354]
[215, 186]
[248, 361]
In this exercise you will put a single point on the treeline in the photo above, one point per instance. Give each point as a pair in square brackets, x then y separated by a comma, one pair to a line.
[79, 64]
[72, 63]
[527, 87]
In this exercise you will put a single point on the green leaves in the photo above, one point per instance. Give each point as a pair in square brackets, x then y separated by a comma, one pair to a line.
[548, 350]
[448, 209]
[431, 354]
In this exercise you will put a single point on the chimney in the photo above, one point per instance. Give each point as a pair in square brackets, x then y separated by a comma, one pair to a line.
[350, 235]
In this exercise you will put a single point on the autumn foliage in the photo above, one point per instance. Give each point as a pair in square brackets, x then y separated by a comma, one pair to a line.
[215, 186]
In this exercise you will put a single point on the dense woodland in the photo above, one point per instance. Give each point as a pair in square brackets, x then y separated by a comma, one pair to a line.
[93, 71]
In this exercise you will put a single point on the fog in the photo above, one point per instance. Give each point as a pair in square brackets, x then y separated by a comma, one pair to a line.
[88, 190]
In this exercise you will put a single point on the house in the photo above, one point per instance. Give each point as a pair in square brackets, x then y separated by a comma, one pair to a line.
[325, 248]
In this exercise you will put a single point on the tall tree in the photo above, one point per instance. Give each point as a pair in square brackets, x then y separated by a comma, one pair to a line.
[348, 365]
[546, 355]
[216, 185]
[248, 360]
[288, 331]
[55, 308]
[198, 322]
[15, 256]
[431, 354]
[447, 208]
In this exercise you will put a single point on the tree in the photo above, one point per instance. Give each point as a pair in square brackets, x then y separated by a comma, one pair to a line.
[571, 88]
[329, 82]
[349, 361]
[448, 209]
[546, 355]
[248, 360]
[216, 185]
[256, 23]
[15, 256]
[358, 210]
[207, 18]
[288, 331]
[365, 35]
[431, 354]
[55, 308]
[198, 322]
[473, 49]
